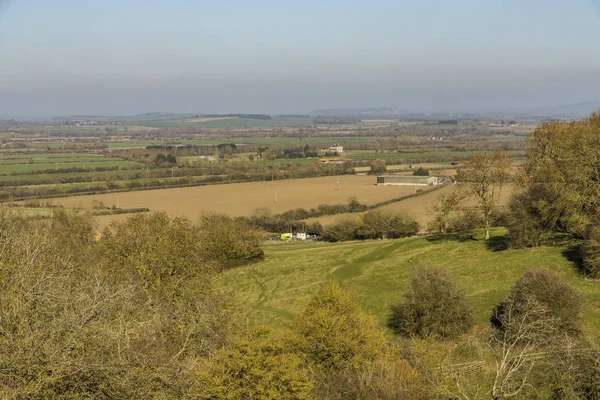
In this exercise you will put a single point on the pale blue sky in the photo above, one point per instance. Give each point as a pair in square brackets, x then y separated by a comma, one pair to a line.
[130, 56]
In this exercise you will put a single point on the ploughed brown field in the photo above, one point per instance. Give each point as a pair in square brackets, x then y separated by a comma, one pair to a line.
[242, 198]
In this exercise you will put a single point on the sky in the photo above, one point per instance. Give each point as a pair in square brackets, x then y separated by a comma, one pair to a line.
[66, 57]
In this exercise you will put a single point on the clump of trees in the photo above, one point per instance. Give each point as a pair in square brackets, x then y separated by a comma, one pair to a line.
[421, 172]
[375, 224]
[378, 167]
[123, 317]
[561, 187]
[433, 305]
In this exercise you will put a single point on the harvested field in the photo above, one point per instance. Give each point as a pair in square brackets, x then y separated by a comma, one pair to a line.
[241, 198]
[419, 206]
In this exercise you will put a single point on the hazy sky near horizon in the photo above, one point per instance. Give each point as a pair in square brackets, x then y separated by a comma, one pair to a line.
[62, 57]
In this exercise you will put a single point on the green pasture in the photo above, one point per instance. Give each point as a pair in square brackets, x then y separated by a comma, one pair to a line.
[23, 168]
[428, 154]
[273, 290]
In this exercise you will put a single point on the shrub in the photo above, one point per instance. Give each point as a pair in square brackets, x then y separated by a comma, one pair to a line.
[421, 172]
[381, 224]
[589, 252]
[403, 225]
[333, 332]
[229, 241]
[258, 366]
[378, 167]
[343, 230]
[542, 295]
[388, 378]
[525, 228]
[432, 306]
[465, 221]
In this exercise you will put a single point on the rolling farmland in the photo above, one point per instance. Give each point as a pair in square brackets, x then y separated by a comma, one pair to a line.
[242, 198]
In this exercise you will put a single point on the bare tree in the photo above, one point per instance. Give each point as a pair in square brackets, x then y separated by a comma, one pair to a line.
[484, 175]
[516, 346]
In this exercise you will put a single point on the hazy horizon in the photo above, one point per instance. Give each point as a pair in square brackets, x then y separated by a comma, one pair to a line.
[129, 57]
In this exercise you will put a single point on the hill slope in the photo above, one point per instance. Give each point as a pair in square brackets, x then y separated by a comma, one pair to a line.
[378, 272]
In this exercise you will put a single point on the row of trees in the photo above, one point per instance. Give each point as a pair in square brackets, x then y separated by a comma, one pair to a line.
[375, 224]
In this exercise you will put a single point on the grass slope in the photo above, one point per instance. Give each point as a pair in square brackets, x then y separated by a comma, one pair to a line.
[378, 272]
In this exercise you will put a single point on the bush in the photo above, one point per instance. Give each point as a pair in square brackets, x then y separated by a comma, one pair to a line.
[378, 167]
[341, 231]
[258, 366]
[230, 242]
[589, 252]
[432, 306]
[333, 332]
[525, 228]
[465, 221]
[381, 224]
[388, 378]
[542, 295]
[421, 172]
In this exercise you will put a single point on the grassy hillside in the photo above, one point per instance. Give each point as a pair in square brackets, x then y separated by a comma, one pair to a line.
[378, 272]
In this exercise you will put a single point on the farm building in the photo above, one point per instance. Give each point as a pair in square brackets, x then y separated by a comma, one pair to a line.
[400, 180]
[336, 148]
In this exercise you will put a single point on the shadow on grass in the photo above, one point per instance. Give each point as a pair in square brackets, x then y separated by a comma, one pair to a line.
[495, 243]
[572, 254]
[451, 237]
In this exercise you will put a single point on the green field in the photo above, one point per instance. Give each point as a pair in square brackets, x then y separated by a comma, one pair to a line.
[301, 141]
[403, 156]
[378, 272]
[30, 160]
[508, 138]
[285, 161]
[233, 123]
[21, 168]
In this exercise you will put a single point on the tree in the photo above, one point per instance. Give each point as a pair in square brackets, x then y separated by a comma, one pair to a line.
[561, 182]
[421, 172]
[484, 175]
[442, 209]
[515, 344]
[432, 306]
[378, 167]
[343, 230]
[561, 304]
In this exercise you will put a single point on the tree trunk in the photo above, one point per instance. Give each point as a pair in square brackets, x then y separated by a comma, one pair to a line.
[487, 228]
